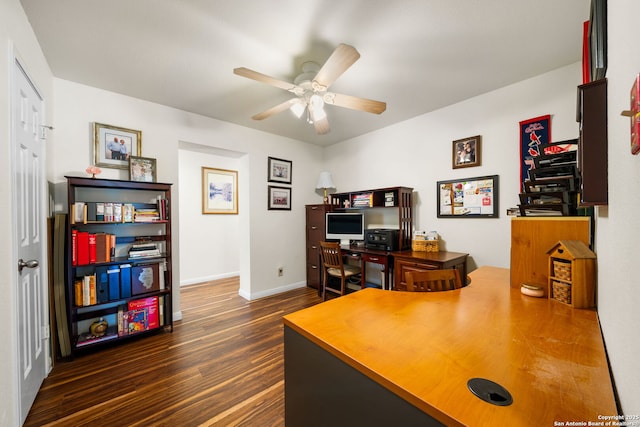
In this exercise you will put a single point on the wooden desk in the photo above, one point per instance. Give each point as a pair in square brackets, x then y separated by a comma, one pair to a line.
[375, 357]
[402, 261]
[373, 256]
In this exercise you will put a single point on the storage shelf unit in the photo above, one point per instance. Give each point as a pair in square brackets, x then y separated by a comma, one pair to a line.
[315, 232]
[124, 279]
[400, 198]
[572, 274]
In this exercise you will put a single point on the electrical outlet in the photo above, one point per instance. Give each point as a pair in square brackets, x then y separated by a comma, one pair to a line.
[280, 271]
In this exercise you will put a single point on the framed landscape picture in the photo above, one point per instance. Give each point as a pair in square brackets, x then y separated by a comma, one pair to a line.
[113, 145]
[219, 191]
[279, 170]
[279, 198]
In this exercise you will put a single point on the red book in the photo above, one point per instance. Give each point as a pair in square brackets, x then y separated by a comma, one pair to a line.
[92, 248]
[83, 247]
[151, 304]
[74, 247]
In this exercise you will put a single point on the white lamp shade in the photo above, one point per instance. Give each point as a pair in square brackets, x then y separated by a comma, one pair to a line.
[325, 181]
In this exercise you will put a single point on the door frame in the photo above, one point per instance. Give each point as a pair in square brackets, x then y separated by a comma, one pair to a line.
[15, 61]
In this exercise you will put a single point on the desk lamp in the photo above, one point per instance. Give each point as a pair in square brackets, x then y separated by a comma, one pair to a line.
[325, 182]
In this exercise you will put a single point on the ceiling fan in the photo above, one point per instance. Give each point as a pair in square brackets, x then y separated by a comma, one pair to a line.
[311, 90]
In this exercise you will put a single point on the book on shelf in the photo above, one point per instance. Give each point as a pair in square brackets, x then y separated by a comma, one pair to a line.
[113, 277]
[128, 211]
[91, 212]
[82, 246]
[78, 214]
[163, 208]
[145, 278]
[74, 247]
[117, 212]
[133, 321]
[102, 284]
[362, 200]
[88, 292]
[108, 211]
[92, 248]
[389, 199]
[152, 306]
[103, 251]
[125, 280]
[146, 215]
[88, 338]
[99, 211]
[144, 249]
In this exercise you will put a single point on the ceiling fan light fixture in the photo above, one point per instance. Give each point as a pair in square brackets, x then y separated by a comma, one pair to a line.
[297, 108]
[316, 104]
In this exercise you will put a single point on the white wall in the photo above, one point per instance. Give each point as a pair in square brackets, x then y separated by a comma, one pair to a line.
[268, 239]
[418, 153]
[617, 229]
[202, 235]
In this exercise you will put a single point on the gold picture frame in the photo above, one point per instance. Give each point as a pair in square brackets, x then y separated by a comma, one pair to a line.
[109, 155]
[219, 191]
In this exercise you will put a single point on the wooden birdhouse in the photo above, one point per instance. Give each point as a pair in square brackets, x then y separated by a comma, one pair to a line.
[572, 273]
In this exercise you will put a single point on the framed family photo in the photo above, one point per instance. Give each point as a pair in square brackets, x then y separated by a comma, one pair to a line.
[279, 170]
[142, 169]
[279, 198]
[467, 152]
[113, 145]
[219, 191]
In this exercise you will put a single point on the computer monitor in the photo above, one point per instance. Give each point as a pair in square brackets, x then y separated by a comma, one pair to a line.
[345, 226]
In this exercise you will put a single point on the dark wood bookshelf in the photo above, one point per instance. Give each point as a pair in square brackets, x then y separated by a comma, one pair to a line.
[79, 317]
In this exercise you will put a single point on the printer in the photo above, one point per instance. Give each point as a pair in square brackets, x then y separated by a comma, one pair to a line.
[383, 239]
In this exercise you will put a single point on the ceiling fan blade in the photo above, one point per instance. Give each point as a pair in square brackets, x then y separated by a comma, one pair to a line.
[355, 103]
[321, 126]
[263, 78]
[340, 60]
[275, 110]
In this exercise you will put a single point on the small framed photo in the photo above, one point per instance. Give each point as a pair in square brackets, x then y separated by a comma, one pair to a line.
[467, 152]
[279, 198]
[219, 191]
[142, 169]
[112, 145]
[279, 170]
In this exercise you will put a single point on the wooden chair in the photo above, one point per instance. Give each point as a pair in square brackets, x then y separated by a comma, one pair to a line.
[433, 280]
[334, 266]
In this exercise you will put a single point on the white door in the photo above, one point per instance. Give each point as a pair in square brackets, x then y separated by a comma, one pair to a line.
[30, 238]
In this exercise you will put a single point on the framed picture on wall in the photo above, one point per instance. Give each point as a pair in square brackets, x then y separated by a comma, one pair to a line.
[219, 191]
[113, 145]
[467, 152]
[279, 198]
[279, 170]
[142, 169]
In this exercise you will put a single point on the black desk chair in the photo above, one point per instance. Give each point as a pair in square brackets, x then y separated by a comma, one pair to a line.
[334, 266]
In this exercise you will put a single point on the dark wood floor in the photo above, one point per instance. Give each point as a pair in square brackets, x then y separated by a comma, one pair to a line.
[222, 365]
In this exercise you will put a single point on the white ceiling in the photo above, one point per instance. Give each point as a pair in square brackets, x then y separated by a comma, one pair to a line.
[416, 55]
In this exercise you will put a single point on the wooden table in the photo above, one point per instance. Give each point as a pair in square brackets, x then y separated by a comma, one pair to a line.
[375, 356]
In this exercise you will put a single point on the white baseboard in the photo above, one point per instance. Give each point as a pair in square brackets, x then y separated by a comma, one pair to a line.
[271, 292]
[198, 280]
